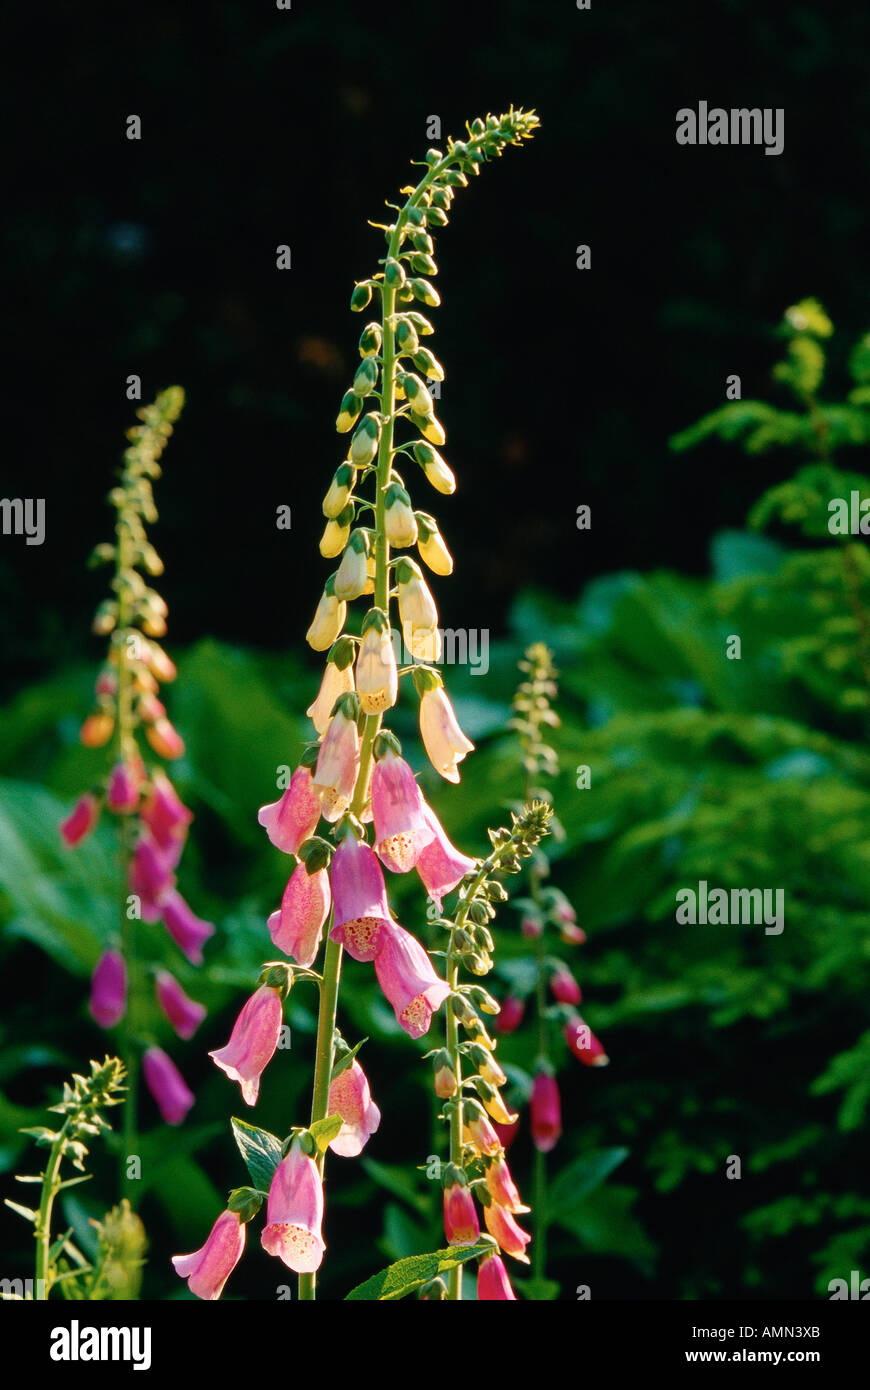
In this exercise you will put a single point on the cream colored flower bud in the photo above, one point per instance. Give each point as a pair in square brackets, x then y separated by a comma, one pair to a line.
[335, 537]
[399, 520]
[444, 741]
[429, 427]
[351, 576]
[370, 576]
[335, 682]
[418, 614]
[418, 395]
[364, 445]
[349, 411]
[437, 471]
[328, 621]
[430, 545]
[377, 681]
[339, 491]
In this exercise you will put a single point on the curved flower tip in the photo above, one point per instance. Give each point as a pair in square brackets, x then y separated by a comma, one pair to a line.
[109, 989]
[166, 1084]
[188, 931]
[294, 1213]
[337, 766]
[546, 1113]
[461, 1226]
[252, 1042]
[502, 1227]
[440, 864]
[297, 928]
[351, 1098]
[208, 1268]
[361, 911]
[492, 1280]
[444, 741]
[399, 814]
[408, 979]
[80, 821]
[184, 1013]
[294, 818]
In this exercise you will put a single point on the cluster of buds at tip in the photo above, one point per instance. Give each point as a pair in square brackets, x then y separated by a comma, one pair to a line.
[129, 715]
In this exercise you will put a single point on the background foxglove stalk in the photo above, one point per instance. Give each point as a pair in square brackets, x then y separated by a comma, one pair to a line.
[184, 1013]
[295, 1213]
[252, 1042]
[351, 1098]
[166, 1084]
[151, 826]
[292, 819]
[209, 1268]
[109, 989]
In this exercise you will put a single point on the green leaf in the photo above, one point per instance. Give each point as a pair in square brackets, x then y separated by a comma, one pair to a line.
[324, 1131]
[582, 1177]
[403, 1277]
[260, 1150]
[347, 1059]
[537, 1290]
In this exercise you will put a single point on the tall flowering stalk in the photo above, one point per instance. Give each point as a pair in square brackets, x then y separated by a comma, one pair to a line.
[130, 720]
[546, 915]
[355, 776]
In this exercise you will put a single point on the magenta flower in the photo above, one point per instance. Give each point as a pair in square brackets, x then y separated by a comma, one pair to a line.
[361, 912]
[546, 1112]
[584, 1044]
[166, 815]
[151, 877]
[408, 979]
[502, 1227]
[297, 927]
[122, 792]
[186, 929]
[81, 820]
[350, 1097]
[109, 989]
[510, 1015]
[501, 1186]
[166, 1084]
[252, 1042]
[208, 1268]
[184, 1013]
[399, 814]
[564, 987]
[440, 864]
[294, 1213]
[492, 1280]
[337, 766]
[294, 818]
[461, 1226]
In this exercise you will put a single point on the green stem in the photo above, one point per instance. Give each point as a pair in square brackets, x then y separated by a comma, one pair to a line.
[43, 1221]
[539, 1185]
[126, 751]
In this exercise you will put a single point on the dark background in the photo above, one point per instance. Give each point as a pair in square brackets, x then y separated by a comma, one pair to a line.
[263, 127]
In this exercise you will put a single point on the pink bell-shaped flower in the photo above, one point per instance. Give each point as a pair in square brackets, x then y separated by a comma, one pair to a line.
[461, 1226]
[361, 913]
[296, 928]
[546, 1112]
[252, 1042]
[165, 814]
[338, 763]
[122, 792]
[350, 1097]
[399, 813]
[166, 1084]
[502, 1227]
[81, 820]
[151, 877]
[492, 1280]
[440, 864]
[188, 931]
[444, 741]
[510, 1015]
[584, 1044]
[408, 979]
[564, 987]
[208, 1268]
[294, 818]
[294, 1213]
[184, 1013]
[109, 989]
[501, 1186]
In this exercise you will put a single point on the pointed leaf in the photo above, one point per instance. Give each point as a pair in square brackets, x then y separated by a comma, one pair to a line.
[324, 1131]
[405, 1276]
[260, 1150]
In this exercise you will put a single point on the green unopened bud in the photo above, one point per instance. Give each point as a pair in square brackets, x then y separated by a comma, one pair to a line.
[433, 157]
[348, 412]
[394, 273]
[420, 322]
[277, 975]
[406, 337]
[416, 216]
[365, 378]
[438, 218]
[483, 939]
[364, 445]
[484, 1000]
[422, 263]
[428, 363]
[426, 293]
[455, 178]
[361, 297]
[421, 241]
[245, 1202]
[370, 340]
